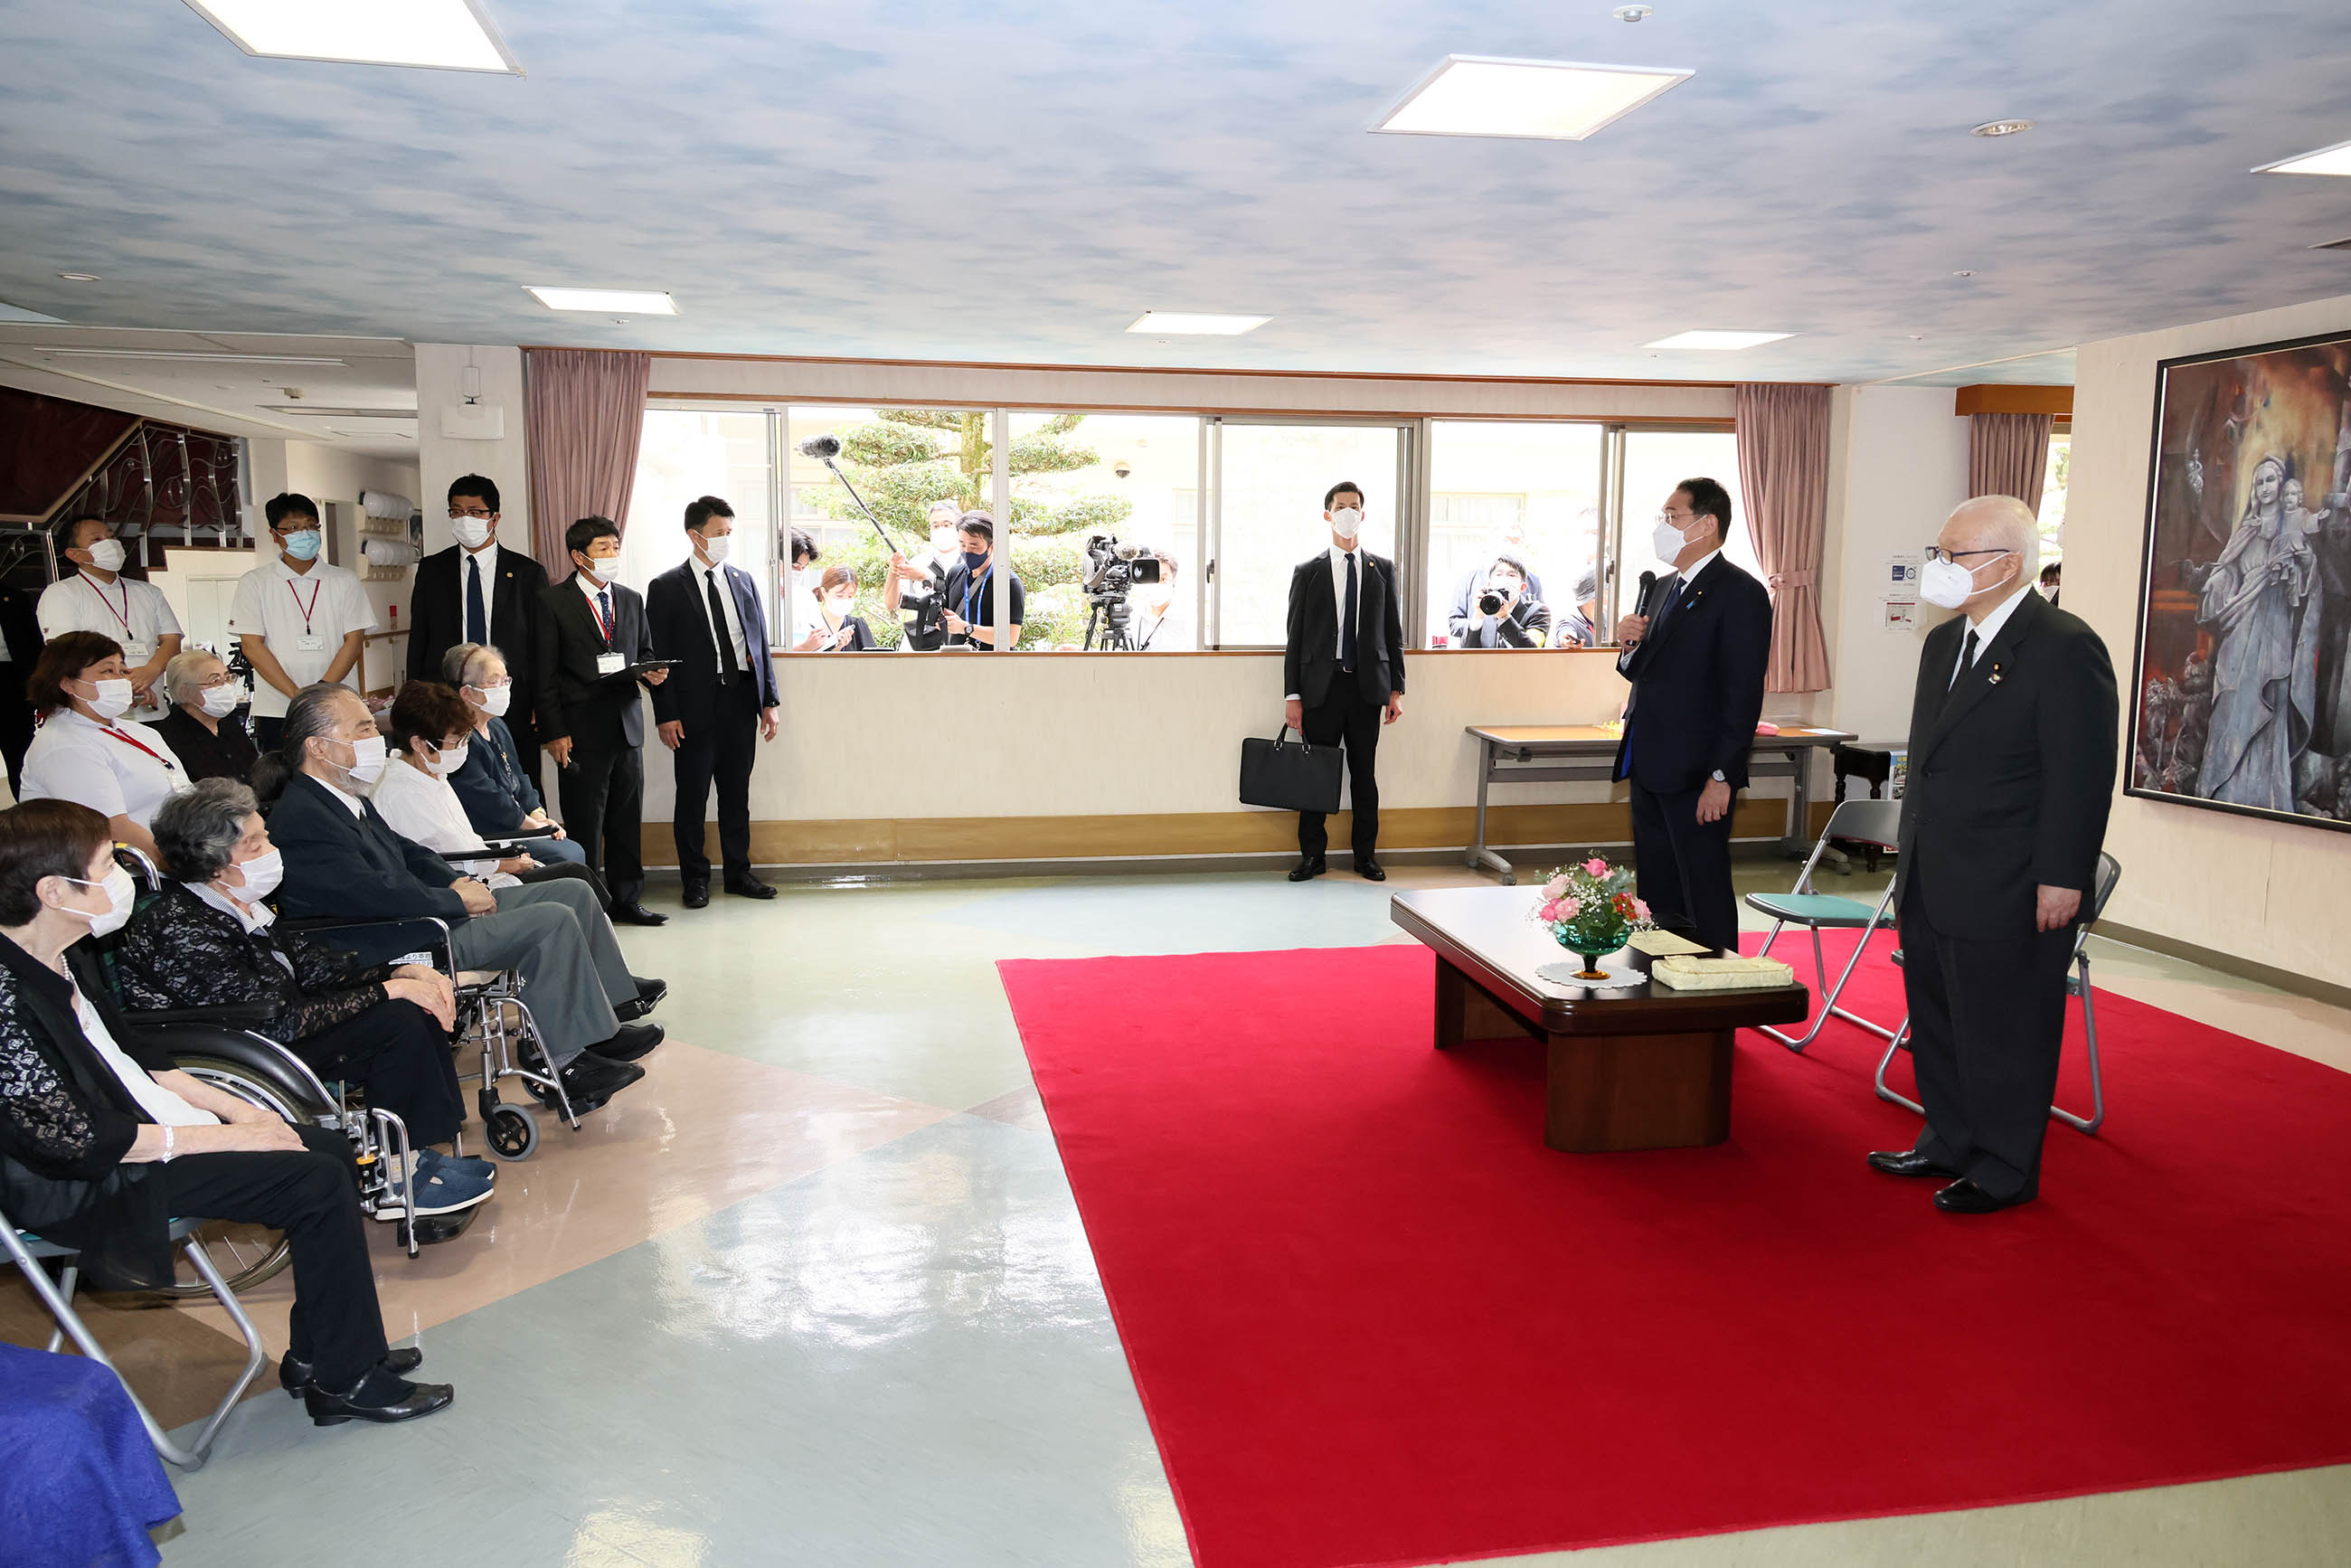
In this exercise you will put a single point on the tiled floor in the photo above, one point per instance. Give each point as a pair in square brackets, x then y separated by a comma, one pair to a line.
[815, 1292]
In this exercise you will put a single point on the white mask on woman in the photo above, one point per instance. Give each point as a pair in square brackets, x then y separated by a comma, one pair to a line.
[113, 699]
[368, 754]
[261, 874]
[447, 760]
[496, 699]
[221, 701]
[120, 892]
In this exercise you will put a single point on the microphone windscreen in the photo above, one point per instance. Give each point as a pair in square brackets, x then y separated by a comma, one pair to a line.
[820, 446]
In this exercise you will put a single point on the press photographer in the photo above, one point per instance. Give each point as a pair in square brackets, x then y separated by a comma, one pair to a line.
[1503, 612]
[914, 593]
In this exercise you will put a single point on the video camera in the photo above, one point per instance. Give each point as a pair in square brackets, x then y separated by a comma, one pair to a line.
[1112, 570]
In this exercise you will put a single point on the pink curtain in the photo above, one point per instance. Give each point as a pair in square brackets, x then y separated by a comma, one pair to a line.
[2008, 455]
[587, 410]
[1783, 470]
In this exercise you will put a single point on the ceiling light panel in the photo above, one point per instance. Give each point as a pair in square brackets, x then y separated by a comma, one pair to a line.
[1199, 322]
[440, 34]
[1719, 341]
[2334, 159]
[612, 302]
[189, 354]
[316, 411]
[1551, 100]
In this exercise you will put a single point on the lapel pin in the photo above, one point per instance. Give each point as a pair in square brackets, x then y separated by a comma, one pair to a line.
[1995, 674]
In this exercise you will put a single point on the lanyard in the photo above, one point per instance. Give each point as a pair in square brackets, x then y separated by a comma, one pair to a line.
[315, 589]
[122, 614]
[597, 610]
[970, 586]
[142, 746]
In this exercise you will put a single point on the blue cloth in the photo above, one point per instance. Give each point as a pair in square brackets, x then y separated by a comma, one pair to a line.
[79, 1483]
[547, 851]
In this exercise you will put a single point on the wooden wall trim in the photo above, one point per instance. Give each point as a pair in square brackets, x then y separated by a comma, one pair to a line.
[2226, 962]
[1992, 397]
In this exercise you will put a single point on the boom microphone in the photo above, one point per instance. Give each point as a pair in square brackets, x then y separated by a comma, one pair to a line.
[824, 446]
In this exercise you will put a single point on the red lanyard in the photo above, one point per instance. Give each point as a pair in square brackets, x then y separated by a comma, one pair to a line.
[143, 746]
[122, 614]
[315, 589]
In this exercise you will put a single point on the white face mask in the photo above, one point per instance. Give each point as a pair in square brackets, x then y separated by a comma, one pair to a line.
[113, 699]
[604, 573]
[471, 532]
[368, 754]
[221, 701]
[120, 892]
[447, 760]
[1346, 521]
[1667, 540]
[496, 699]
[1947, 584]
[842, 608]
[715, 550]
[943, 544]
[107, 555]
[261, 874]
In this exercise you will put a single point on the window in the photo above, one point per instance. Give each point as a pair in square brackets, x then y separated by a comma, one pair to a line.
[1132, 477]
[2052, 497]
[1522, 488]
[1655, 461]
[900, 460]
[1272, 478]
[684, 454]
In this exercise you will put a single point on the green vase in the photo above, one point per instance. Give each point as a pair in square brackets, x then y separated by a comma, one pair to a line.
[1590, 942]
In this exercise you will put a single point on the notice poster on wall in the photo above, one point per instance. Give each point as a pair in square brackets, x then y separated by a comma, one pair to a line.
[1901, 615]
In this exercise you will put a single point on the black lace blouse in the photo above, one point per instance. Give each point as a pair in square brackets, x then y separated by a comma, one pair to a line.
[181, 952]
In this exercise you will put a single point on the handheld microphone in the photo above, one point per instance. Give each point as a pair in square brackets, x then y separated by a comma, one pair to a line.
[824, 446]
[1648, 586]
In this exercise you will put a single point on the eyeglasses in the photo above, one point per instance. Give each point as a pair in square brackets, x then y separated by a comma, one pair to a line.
[1936, 552]
[1679, 519]
[476, 510]
[223, 679]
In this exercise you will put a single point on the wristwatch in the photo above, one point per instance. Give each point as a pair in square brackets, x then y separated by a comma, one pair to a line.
[1719, 778]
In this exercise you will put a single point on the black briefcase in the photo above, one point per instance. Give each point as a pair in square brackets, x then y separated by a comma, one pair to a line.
[1290, 775]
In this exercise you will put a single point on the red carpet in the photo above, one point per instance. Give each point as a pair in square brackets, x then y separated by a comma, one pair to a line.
[1375, 1320]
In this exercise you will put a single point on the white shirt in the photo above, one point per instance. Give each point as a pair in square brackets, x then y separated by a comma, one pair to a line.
[1987, 629]
[419, 807]
[259, 917]
[303, 617]
[1682, 579]
[487, 562]
[115, 770]
[135, 614]
[167, 1108]
[733, 631]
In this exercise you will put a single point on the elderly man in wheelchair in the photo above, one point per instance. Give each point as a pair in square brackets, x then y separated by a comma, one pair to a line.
[104, 1144]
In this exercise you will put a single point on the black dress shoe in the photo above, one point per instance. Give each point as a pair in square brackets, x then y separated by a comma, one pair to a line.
[649, 996]
[589, 1080]
[1907, 1163]
[749, 886]
[1311, 866]
[697, 894]
[635, 914]
[295, 1375]
[1964, 1196]
[636, 1040]
[1371, 869]
[381, 1396]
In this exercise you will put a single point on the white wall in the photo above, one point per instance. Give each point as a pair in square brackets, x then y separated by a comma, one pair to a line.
[440, 381]
[2271, 892]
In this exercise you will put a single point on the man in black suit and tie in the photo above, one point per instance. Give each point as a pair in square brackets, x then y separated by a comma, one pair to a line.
[1343, 672]
[591, 632]
[476, 590]
[2012, 757]
[1696, 651]
[706, 614]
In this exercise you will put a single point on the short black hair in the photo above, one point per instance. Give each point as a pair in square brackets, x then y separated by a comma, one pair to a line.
[1709, 499]
[1513, 562]
[484, 490]
[587, 531]
[978, 523]
[1341, 488]
[804, 547]
[287, 503]
[2051, 573]
[701, 512]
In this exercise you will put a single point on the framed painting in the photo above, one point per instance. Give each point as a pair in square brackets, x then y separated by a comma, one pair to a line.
[2240, 700]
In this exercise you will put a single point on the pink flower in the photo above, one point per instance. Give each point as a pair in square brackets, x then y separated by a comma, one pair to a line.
[1596, 866]
[1547, 912]
[1567, 908]
[1555, 886]
[1640, 910]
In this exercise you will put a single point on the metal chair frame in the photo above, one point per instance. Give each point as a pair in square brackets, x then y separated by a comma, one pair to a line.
[1877, 822]
[27, 1249]
[2077, 984]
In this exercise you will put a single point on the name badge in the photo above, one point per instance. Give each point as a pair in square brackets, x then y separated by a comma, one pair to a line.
[611, 664]
[309, 642]
[137, 653]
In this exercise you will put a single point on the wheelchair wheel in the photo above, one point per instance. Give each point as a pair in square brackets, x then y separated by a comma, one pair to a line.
[245, 1255]
[511, 1131]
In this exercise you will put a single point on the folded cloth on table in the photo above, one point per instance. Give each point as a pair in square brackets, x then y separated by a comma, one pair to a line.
[1687, 974]
[1659, 943]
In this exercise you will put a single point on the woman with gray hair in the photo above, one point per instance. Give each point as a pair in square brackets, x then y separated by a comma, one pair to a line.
[210, 940]
[202, 725]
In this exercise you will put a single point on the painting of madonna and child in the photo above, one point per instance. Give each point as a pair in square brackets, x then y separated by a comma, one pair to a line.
[2243, 702]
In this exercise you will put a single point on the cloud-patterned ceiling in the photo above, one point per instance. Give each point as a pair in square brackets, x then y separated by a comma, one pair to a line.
[1017, 181]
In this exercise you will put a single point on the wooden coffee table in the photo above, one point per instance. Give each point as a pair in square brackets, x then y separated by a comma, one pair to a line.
[1637, 1067]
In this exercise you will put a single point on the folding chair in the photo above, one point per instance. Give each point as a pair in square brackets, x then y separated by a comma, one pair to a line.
[2077, 984]
[1876, 823]
[26, 1249]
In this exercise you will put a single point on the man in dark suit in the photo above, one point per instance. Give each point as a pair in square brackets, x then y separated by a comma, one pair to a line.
[1696, 651]
[706, 614]
[478, 590]
[2012, 757]
[591, 632]
[1342, 669]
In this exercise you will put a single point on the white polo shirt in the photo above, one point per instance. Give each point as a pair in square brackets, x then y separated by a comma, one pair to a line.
[135, 614]
[115, 770]
[304, 616]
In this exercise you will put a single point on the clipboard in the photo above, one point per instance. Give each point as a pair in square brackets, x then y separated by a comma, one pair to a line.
[631, 671]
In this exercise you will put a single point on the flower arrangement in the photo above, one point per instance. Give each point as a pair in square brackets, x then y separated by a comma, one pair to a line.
[1590, 909]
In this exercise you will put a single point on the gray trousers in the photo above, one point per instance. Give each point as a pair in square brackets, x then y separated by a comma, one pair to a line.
[572, 968]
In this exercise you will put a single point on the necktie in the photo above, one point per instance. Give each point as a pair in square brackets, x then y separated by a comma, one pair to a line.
[478, 619]
[604, 614]
[1347, 625]
[726, 665]
[1967, 657]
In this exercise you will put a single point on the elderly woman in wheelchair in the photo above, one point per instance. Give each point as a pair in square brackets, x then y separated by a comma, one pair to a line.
[103, 1143]
[209, 939]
